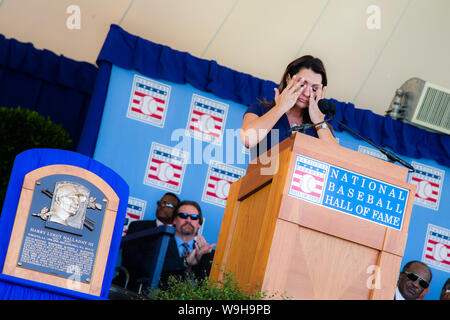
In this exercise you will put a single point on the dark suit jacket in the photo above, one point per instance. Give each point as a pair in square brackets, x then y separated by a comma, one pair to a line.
[137, 255]
[174, 265]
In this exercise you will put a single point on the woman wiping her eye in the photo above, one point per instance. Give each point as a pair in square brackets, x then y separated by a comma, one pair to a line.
[303, 84]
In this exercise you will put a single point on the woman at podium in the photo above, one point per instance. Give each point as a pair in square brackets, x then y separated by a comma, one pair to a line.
[303, 84]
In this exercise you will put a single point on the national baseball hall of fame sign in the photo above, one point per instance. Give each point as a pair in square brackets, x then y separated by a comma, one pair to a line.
[57, 235]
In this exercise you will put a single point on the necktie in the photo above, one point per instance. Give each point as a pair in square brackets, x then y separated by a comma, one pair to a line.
[185, 252]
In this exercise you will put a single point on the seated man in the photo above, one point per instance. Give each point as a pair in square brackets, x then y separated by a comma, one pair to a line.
[134, 253]
[164, 214]
[445, 292]
[413, 282]
[188, 252]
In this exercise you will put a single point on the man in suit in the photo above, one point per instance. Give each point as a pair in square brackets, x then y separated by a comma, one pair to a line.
[445, 292]
[188, 252]
[135, 253]
[164, 214]
[413, 282]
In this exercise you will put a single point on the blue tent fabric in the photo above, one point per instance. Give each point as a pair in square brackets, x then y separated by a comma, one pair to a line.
[10, 287]
[403, 138]
[157, 61]
[52, 85]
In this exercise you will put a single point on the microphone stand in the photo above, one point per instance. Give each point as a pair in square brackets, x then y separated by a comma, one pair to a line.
[389, 154]
[303, 127]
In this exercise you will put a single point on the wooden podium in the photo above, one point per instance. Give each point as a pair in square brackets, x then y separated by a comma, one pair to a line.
[349, 246]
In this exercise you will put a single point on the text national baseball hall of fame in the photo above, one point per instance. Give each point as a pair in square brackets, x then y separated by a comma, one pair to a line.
[348, 192]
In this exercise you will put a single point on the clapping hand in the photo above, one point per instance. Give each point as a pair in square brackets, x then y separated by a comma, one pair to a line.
[201, 247]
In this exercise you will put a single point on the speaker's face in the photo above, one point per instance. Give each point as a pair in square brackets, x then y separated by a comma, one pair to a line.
[311, 83]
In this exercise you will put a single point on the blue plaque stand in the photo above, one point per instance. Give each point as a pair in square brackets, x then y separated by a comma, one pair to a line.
[16, 288]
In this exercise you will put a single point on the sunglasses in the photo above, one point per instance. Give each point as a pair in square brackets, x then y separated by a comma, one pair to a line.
[413, 277]
[165, 204]
[183, 215]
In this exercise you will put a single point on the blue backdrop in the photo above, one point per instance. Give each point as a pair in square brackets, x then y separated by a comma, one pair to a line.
[145, 153]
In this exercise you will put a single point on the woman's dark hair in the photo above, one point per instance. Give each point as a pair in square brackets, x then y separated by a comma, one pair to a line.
[194, 204]
[305, 62]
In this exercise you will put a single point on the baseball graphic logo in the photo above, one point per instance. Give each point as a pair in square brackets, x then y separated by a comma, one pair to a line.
[207, 119]
[148, 101]
[165, 168]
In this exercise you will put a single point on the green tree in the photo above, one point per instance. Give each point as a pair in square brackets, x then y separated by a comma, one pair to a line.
[23, 129]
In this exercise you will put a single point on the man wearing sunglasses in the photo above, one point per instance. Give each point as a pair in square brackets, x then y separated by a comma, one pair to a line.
[164, 214]
[445, 292]
[188, 252]
[414, 281]
[133, 254]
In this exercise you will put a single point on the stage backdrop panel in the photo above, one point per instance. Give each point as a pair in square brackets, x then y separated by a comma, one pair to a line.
[159, 118]
[166, 137]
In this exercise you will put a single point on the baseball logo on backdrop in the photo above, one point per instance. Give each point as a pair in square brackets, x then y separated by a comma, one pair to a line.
[428, 181]
[436, 251]
[166, 168]
[207, 119]
[308, 179]
[218, 181]
[135, 212]
[148, 101]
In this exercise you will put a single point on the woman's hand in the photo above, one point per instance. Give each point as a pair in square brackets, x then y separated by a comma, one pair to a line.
[314, 112]
[287, 99]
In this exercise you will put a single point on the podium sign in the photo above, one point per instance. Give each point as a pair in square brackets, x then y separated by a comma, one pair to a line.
[349, 192]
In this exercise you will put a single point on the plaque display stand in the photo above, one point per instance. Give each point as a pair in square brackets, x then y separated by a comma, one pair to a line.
[289, 228]
[60, 227]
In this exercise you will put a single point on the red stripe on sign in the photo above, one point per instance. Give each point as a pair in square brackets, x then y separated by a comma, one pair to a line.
[419, 180]
[207, 133]
[301, 173]
[429, 257]
[314, 194]
[173, 165]
[140, 94]
[169, 182]
[202, 113]
[212, 194]
[134, 216]
[153, 115]
[432, 258]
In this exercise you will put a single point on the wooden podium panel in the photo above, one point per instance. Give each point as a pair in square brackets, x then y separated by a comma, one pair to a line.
[277, 242]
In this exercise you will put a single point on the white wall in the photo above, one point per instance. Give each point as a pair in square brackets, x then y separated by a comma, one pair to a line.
[261, 37]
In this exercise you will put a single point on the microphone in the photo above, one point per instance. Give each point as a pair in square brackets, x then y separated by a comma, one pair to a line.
[325, 108]
[329, 108]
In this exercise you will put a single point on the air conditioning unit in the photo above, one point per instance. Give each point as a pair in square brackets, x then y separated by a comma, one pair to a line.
[422, 104]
